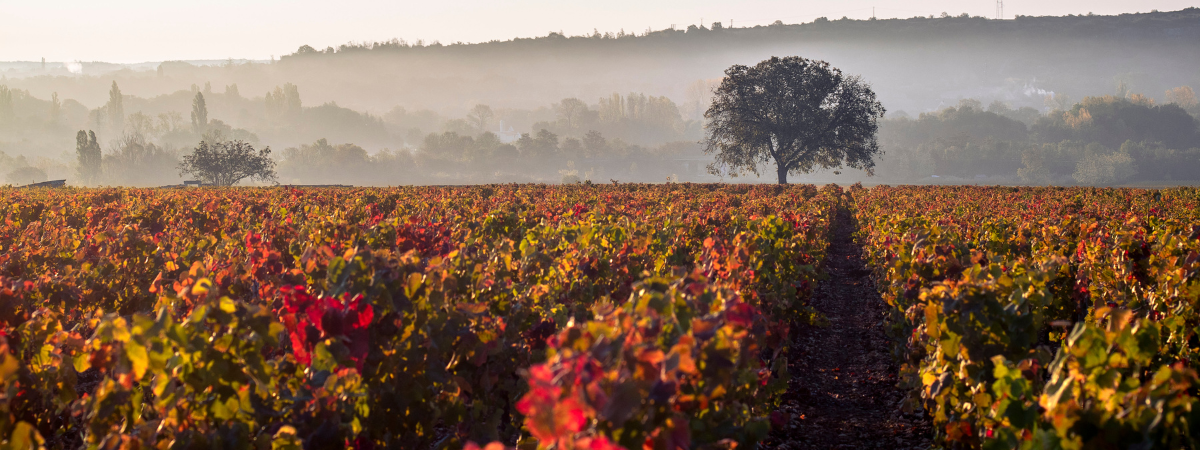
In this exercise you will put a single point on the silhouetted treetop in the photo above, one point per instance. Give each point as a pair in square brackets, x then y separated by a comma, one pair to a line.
[800, 114]
[225, 163]
[1183, 24]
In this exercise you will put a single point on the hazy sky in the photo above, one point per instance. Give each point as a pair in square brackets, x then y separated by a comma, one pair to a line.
[154, 30]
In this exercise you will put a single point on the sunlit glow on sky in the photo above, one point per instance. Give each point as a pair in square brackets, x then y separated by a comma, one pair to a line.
[129, 31]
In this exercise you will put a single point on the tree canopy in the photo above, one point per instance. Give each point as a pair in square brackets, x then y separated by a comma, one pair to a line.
[799, 113]
[479, 116]
[225, 163]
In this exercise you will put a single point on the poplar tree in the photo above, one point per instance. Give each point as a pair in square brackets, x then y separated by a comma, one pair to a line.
[199, 114]
[116, 109]
[55, 108]
[87, 152]
[6, 104]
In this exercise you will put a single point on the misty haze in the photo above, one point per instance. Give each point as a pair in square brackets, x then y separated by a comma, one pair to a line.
[548, 225]
[1025, 100]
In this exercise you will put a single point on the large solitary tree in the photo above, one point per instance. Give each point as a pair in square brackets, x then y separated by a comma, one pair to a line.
[799, 113]
[225, 163]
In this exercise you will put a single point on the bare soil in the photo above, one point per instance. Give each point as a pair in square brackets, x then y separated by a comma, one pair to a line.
[843, 390]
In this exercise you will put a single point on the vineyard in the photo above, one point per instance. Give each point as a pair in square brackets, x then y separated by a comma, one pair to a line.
[1044, 317]
[571, 317]
[584, 316]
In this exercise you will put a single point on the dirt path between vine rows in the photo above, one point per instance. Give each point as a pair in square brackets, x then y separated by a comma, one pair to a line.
[843, 390]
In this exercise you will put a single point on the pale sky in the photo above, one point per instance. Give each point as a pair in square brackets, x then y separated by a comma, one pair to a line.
[130, 31]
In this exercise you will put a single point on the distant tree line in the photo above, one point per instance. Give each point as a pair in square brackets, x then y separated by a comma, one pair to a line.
[622, 136]
[1121, 138]
[1100, 140]
[944, 25]
[453, 158]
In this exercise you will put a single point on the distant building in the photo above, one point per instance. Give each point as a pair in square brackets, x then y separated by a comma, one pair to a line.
[507, 136]
[51, 183]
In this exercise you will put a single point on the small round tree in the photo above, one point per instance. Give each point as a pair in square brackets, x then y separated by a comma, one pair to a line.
[226, 163]
[799, 113]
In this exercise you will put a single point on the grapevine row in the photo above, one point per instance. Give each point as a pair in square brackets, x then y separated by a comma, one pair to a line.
[624, 315]
[1042, 317]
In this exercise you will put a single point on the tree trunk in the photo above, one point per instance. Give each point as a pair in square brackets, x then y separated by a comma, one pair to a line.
[782, 173]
